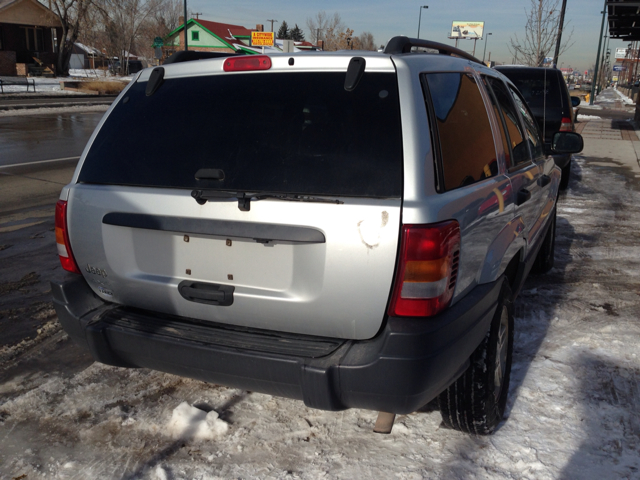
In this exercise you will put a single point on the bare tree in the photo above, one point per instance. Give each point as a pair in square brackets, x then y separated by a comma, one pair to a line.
[163, 20]
[367, 42]
[167, 16]
[72, 14]
[124, 22]
[320, 23]
[541, 32]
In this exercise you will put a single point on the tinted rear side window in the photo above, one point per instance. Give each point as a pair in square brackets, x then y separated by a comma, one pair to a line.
[534, 84]
[276, 132]
[465, 137]
[519, 150]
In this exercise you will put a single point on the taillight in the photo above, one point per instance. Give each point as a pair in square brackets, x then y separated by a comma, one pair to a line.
[427, 269]
[248, 63]
[566, 125]
[62, 239]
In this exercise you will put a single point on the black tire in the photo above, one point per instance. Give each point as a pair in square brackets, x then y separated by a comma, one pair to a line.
[566, 176]
[546, 256]
[476, 401]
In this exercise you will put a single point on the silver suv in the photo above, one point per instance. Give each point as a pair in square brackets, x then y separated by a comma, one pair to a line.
[349, 229]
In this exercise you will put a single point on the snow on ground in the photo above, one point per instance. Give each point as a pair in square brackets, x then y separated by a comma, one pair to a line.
[624, 98]
[573, 411]
[584, 118]
[51, 86]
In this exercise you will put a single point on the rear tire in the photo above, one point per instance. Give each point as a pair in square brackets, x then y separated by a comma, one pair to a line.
[546, 256]
[566, 176]
[476, 401]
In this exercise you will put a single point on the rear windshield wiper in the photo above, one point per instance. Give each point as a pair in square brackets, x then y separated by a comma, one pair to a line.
[244, 198]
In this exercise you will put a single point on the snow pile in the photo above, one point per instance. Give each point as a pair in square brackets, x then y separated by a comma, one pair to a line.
[588, 117]
[191, 422]
[624, 98]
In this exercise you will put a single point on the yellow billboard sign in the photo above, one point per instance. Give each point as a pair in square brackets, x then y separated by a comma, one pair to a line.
[262, 39]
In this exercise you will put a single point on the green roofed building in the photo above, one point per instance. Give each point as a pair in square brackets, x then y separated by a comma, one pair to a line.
[205, 36]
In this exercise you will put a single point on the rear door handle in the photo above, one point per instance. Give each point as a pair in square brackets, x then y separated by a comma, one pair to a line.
[209, 293]
[523, 196]
[544, 180]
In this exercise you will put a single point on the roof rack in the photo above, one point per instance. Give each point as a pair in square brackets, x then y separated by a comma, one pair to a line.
[403, 44]
[190, 55]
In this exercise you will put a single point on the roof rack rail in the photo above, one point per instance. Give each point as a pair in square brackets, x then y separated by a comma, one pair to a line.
[190, 55]
[403, 44]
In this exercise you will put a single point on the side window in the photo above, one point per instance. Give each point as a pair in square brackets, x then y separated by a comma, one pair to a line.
[512, 125]
[464, 133]
[497, 112]
[533, 135]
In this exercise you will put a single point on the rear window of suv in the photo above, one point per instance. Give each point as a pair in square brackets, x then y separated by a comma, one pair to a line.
[533, 84]
[274, 132]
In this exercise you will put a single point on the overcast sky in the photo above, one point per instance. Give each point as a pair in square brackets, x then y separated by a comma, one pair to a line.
[385, 19]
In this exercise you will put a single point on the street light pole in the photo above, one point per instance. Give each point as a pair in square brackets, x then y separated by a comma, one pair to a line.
[595, 73]
[420, 18]
[485, 46]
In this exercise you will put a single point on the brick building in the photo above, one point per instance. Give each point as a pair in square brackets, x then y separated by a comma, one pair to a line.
[28, 31]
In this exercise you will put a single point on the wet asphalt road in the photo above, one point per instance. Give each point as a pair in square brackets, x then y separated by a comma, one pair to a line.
[33, 138]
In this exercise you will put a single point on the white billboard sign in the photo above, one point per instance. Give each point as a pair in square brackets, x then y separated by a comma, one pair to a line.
[621, 53]
[467, 30]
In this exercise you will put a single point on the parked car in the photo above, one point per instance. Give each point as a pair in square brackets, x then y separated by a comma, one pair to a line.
[349, 229]
[547, 95]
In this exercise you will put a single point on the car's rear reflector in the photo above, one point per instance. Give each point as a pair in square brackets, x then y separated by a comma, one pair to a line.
[247, 64]
[566, 125]
[427, 269]
[62, 239]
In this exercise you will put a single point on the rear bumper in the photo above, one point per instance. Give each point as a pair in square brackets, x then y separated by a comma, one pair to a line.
[405, 366]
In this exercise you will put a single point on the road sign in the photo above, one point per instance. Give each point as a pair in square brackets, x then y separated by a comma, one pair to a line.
[620, 53]
[619, 68]
[262, 39]
[157, 42]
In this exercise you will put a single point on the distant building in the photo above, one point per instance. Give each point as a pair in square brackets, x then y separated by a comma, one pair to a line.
[28, 35]
[206, 36]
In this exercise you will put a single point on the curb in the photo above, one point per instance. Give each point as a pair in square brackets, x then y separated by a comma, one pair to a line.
[29, 106]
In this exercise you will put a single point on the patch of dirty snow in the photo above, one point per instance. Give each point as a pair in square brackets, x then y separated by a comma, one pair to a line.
[191, 422]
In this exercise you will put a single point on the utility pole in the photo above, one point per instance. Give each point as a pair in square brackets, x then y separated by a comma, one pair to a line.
[594, 80]
[186, 44]
[197, 14]
[272, 22]
[560, 27]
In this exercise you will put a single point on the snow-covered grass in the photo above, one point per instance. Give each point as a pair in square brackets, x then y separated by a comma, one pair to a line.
[51, 86]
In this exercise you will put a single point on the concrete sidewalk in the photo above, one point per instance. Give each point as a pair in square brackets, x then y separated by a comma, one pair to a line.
[612, 141]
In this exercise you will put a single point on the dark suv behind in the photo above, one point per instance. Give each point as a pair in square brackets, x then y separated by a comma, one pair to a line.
[547, 94]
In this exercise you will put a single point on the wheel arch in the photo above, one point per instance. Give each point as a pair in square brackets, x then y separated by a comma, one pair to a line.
[505, 255]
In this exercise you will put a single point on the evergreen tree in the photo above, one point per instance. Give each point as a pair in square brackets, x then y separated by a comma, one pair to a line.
[296, 34]
[283, 32]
